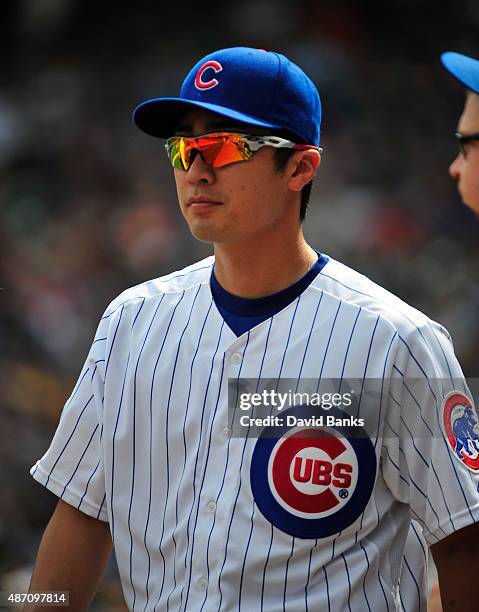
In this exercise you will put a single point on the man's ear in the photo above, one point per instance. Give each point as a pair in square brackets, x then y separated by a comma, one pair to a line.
[304, 166]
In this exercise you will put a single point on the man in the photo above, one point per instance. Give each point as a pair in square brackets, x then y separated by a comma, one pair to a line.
[465, 168]
[152, 447]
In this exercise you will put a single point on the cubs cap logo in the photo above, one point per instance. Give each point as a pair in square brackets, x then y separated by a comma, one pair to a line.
[200, 79]
[462, 428]
[312, 482]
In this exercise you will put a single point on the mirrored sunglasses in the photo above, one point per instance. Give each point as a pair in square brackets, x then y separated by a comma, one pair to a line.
[221, 149]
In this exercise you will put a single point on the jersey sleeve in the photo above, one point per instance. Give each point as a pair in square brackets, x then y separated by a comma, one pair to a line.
[72, 468]
[429, 404]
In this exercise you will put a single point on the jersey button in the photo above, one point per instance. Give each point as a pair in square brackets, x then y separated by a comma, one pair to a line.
[203, 584]
[236, 358]
[211, 506]
[226, 432]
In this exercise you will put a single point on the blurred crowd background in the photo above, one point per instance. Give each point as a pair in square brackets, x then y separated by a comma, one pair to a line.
[88, 206]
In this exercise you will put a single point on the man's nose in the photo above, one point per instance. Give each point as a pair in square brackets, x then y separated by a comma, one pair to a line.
[454, 168]
[199, 170]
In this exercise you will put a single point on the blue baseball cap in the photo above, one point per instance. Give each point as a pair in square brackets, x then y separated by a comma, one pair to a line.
[465, 69]
[249, 85]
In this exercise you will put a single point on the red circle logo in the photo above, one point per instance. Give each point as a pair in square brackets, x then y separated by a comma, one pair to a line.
[462, 428]
[312, 472]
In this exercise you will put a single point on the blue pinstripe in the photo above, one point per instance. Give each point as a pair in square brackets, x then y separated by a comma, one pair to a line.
[365, 575]
[196, 467]
[79, 461]
[101, 506]
[440, 346]
[138, 313]
[328, 343]
[374, 298]
[77, 386]
[414, 399]
[379, 574]
[75, 390]
[117, 421]
[413, 577]
[184, 443]
[117, 308]
[119, 411]
[279, 376]
[100, 340]
[420, 540]
[293, 541]
[308, 576]
[349, 582]
[365, 369]
[133, 436]
[203, 481]
[397, 467]
[366, 365]
[88, 482]
[417, 487]
[309, 337]
[227, 456]
[359, 405]
[428, 466]
[339, 390]
[401, 418]
[112, 508]
[327, 588]
[69, 438]
[166, 440]
[254, 505]
[348, 347]
[240, 481]
[113, 343]
[317, 387]
[382, 390]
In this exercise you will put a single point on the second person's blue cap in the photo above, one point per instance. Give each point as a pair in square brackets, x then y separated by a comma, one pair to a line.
[464, 68]
[249, 85]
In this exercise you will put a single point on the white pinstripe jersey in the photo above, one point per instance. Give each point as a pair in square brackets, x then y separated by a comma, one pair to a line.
[143, 443]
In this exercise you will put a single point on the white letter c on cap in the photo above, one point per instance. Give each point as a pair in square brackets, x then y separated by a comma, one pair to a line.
[199, 83]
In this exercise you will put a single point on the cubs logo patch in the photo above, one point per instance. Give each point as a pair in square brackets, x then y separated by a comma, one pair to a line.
[462, 428]
[200, 79]
[312, 482]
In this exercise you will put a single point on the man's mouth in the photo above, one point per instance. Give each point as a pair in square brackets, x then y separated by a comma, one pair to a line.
[202, 202]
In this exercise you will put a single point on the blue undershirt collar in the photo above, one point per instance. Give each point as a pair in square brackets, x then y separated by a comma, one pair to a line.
[242, 314]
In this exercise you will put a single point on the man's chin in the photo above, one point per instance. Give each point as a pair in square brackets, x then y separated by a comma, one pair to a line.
[206, 233]
[473, 205]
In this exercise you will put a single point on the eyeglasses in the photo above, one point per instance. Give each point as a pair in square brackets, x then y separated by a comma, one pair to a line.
[465, 139]
[221, 149]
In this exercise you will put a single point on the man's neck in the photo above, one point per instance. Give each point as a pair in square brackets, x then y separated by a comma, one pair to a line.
[262, 269]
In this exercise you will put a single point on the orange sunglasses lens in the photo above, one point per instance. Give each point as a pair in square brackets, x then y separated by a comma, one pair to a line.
[217, 150]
